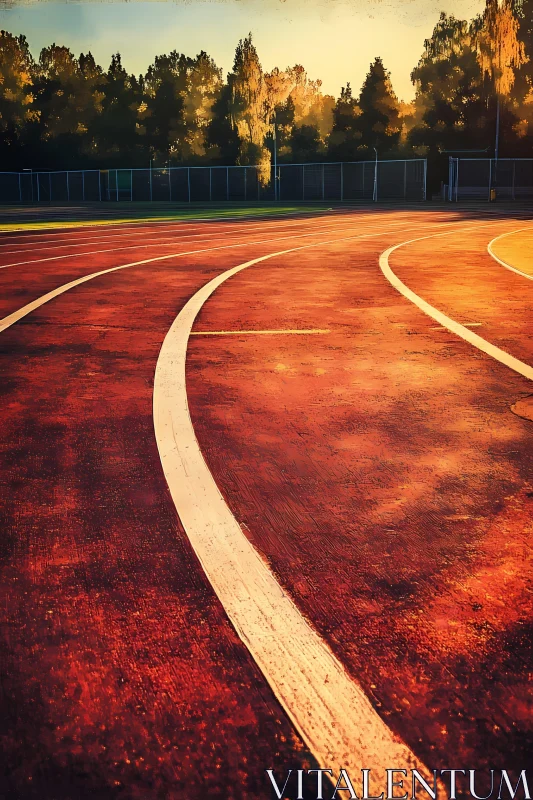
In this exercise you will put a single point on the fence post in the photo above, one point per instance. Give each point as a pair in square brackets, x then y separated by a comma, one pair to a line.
[50, 187]
[116, 184]
[227, 184]
[169, 185]
[210, 184]
[279, 183]
[405, 180]
[83, 185]
[38, 189]
[99, 186]
[342, 181]
[68, 188]
[303, 182]
[189, 183]
[151, 189]
[20, 189]
[490, 178]
[258, 183]
[514, 175]
[424, 190]
[323, 191]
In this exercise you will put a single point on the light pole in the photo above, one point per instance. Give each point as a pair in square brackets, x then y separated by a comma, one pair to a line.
[31, 180]
[375, 193]
[497, 140]
[275, 157]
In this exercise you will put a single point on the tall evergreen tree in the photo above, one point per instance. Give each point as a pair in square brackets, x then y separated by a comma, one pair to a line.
[450, 111]
[379, 120]
[345, 137]
[251, 115]
[180, 94]
[118, 130]
[523, 85]
[222, 138]
[204, 86]
[68, 98]
[501, 53]
[165, 86]
[17, 110]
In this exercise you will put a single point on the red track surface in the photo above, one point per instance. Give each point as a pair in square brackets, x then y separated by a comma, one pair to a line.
[378, 468]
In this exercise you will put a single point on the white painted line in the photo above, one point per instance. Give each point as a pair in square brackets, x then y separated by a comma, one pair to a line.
[491, 253]
[119, 234]
[455, 327]
[327, 707]
[267, 333]
[141, 246]
[103, 223]
[466, 324]
[17, 315]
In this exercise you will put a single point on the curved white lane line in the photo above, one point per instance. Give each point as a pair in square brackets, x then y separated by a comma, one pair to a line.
[15, 316]
[174, 229]
[138, 246]
[447, 322]
[493, 255]
[108, 224]
[329, 709]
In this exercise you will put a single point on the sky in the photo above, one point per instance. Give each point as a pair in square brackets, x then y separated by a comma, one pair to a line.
[335, 40]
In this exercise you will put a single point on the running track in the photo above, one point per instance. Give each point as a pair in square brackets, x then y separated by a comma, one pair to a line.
[373, 463]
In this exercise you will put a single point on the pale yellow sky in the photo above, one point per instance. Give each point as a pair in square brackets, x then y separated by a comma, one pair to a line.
[335, 40]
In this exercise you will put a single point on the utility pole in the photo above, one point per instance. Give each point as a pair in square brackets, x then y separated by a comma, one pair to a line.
[27, 169]
[275, 159]
[497, 141]
[375, 192]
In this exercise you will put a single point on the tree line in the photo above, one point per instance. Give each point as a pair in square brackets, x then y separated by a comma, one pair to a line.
[60, 111]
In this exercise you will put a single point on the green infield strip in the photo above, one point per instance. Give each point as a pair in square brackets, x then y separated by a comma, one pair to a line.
[64, 218]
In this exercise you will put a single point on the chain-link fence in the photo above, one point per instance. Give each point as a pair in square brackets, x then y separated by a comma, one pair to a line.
[362, 180]
[490, 179]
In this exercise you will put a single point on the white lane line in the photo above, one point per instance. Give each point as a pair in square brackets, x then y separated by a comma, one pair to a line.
[17, 315]
[141, 246]
[447, 322]
[108, 224]
[174, 229]
[178, 227]
[466, 324]
[490, 249]
[193, 241]
[327, 707]
[267, 333]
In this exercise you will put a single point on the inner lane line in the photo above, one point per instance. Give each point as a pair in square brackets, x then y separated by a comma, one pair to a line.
[316, 232]
[15, 316]
[328, 708]
[447, 322]
[245, 333]
[492, 254]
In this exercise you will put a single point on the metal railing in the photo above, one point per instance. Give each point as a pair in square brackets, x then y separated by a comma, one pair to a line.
[490, 179]
[394, 180]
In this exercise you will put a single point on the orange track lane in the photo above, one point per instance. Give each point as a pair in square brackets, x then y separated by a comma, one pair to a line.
[378, 469]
